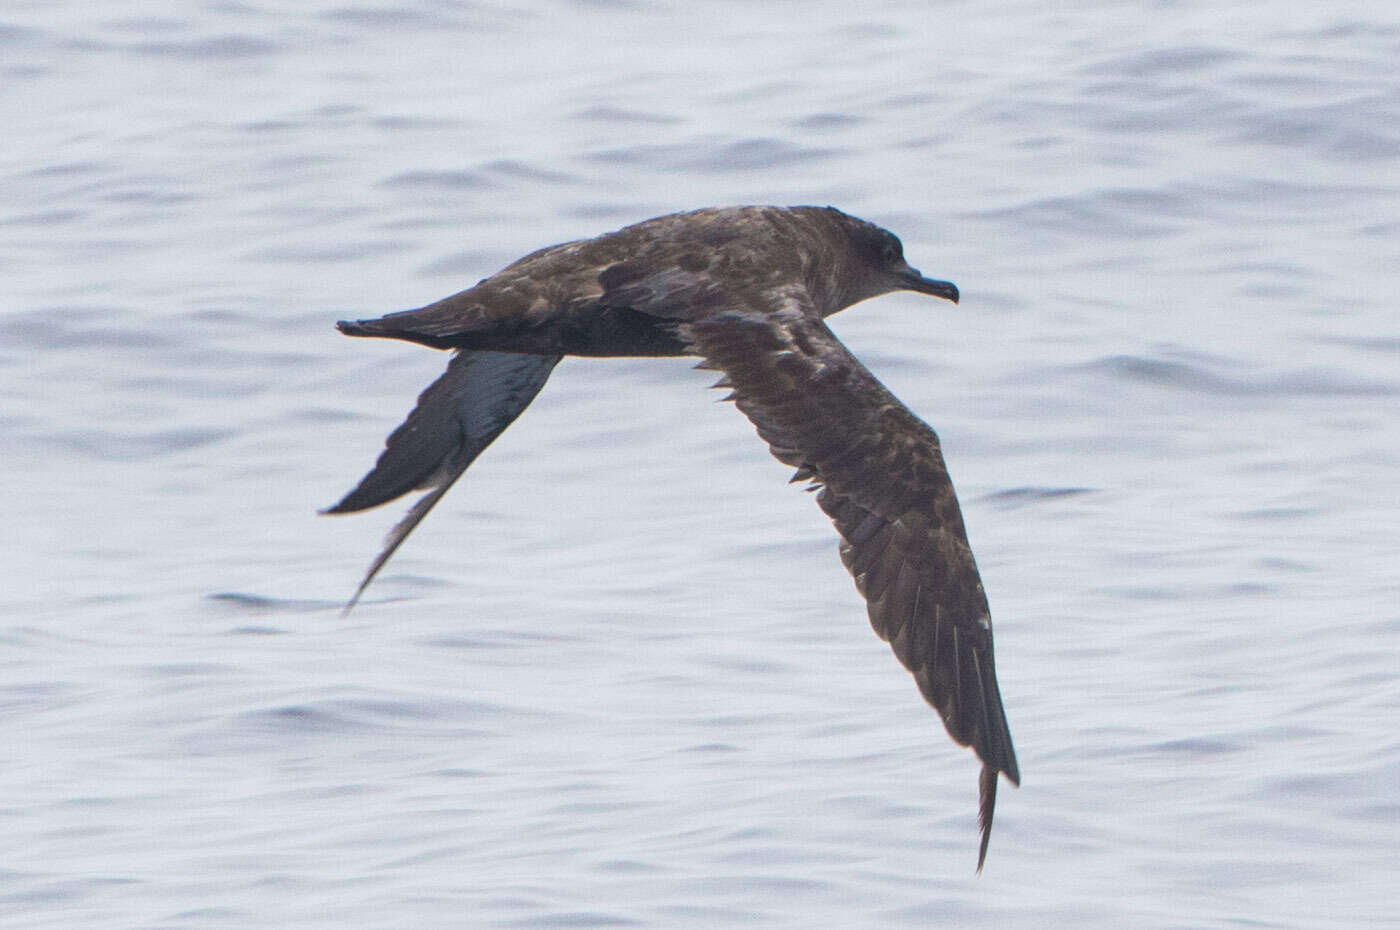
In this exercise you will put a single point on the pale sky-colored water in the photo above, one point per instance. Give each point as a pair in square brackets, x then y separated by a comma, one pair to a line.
[620, 677]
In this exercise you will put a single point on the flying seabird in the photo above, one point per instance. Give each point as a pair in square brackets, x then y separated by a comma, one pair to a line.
[745, 289]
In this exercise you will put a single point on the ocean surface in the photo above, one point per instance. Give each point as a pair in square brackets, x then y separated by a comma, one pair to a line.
[620, 678]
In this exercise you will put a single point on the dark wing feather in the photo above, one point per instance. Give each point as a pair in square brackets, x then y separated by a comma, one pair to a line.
[885, 486]
[457, 417]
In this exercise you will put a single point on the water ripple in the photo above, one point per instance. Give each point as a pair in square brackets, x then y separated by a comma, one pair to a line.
[712, 155]
[1317, 382]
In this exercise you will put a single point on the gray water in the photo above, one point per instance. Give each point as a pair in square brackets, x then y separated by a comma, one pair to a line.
[620, 678]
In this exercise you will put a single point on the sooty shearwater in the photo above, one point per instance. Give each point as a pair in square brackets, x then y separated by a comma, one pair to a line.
[745, 289]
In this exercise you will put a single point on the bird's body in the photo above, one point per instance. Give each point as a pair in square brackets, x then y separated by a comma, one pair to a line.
[745, 289]
[586, 297]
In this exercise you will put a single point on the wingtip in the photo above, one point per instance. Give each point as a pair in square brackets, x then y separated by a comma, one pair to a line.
[361, 498]
[987, 791]
[355, 599]
[346, 504]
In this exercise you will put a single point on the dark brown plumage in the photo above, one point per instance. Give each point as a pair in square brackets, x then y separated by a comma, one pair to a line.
[745, 289]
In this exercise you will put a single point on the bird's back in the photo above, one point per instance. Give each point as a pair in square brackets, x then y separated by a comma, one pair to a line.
[576, 298]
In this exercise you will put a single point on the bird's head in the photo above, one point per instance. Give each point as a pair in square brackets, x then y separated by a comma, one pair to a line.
[875, 265]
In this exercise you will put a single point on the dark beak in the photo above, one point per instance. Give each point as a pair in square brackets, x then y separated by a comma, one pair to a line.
[911, 280]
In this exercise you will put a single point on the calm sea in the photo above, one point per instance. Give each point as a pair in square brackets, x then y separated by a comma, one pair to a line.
[620, 678]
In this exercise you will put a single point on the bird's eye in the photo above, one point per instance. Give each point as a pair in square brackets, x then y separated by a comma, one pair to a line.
[890, 252]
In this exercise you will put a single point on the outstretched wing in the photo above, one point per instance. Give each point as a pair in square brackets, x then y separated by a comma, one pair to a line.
[457, 417]
[884, 484]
